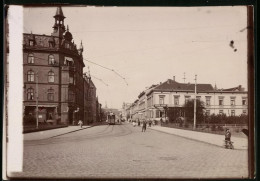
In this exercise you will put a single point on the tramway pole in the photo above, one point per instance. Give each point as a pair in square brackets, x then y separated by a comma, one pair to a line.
[195, 102]
[37, 102]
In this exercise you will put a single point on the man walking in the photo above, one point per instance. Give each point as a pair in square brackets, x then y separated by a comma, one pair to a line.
[144, 126]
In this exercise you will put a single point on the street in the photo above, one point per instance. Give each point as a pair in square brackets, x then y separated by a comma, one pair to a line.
[123, 151]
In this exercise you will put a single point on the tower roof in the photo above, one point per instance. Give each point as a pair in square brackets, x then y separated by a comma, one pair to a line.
[59, 12]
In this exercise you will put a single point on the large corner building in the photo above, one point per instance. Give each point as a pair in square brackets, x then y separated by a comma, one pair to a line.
[53, 75]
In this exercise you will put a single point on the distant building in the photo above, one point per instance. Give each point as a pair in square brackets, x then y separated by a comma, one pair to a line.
[90, 110]
[152, 103]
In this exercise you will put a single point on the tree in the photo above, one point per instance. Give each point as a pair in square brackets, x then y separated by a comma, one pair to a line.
[189, 111]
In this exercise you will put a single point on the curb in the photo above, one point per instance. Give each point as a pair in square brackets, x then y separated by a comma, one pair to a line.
[44, 129]
[194, 139]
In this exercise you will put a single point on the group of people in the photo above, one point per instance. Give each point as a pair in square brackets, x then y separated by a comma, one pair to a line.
[143, 124]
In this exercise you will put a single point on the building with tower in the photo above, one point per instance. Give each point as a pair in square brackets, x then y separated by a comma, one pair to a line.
[53, 75]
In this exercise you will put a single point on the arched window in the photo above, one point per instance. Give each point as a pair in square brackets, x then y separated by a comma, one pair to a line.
[30, 94]
[30, 58]
[30, 76]
[51, 60]
[50, 95]
[51, 76]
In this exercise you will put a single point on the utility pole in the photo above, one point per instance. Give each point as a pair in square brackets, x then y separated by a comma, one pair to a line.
[195, 102]
[37, 102]
[184, 77]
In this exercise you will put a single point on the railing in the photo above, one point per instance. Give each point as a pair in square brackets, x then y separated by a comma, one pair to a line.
[210, 128]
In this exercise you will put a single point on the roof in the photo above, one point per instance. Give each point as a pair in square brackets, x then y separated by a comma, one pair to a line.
[171, 85]
[238, 88]
[59, 12]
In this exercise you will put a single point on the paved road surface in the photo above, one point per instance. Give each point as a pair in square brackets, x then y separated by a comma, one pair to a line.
[123, 151]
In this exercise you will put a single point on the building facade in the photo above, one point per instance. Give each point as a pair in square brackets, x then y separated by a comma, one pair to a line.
[152, 103]
[53, 76]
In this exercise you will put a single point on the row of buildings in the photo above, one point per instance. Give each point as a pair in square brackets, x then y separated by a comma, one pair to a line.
[54, 80]
[154, 102]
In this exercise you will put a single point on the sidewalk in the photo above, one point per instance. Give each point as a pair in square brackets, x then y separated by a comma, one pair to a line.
[239, 143]
[51, 133]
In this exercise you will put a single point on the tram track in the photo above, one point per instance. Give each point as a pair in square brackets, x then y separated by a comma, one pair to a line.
[108, 132]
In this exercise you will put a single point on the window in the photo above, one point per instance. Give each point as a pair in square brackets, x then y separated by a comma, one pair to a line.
[71, 96]
[31, 43]
[51, 60]
[244, 112]
[30, 94]
[232, 101]
[50, 95]
[208, 100]
[220, 111]
[157, 113]
[186, 99]
[221, 102]
[232, 112]
[161, 99]
[51, 76]
[67, 45]
[244, 101]
[207, 112]
[30, 76]
[198, 97]
[30, 58]
[176, 100]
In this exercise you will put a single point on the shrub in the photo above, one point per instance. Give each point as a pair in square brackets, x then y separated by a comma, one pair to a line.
[213, 128]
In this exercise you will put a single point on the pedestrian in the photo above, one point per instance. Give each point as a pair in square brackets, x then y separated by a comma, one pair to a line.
[80, 123]
[150, 123]
[228, 135]
[139, 123]
[144, 126]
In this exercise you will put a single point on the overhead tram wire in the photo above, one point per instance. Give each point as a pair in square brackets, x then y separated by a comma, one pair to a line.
[100, 80]
[108, 69]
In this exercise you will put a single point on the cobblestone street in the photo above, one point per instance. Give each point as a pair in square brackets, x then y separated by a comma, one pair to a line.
[123, 151]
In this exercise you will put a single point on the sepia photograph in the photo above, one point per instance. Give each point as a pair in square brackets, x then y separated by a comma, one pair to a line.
[128, 92]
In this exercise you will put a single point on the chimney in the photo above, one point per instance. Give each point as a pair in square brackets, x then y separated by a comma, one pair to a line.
[173, 78]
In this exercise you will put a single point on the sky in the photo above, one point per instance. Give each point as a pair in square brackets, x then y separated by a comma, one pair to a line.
[148, 45]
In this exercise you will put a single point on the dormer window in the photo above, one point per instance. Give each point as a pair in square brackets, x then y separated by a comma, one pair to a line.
[31, 43]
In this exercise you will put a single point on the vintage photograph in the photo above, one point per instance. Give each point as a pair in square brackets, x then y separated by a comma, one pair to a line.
[127, 92]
